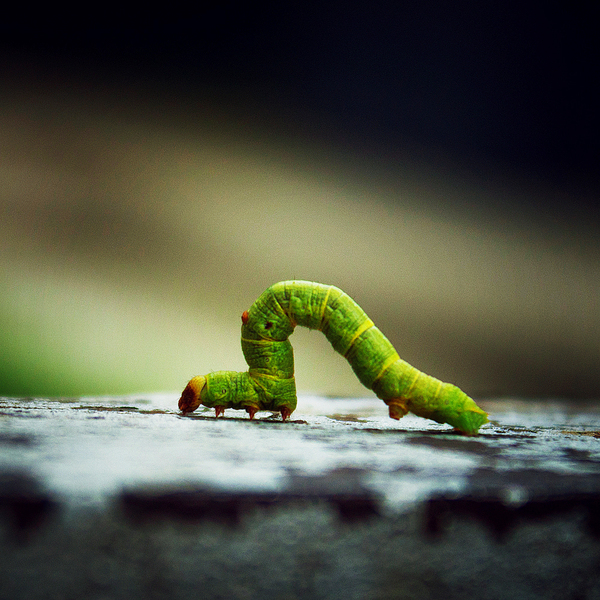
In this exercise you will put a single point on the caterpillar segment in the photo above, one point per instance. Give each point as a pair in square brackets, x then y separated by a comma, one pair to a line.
[269, 383]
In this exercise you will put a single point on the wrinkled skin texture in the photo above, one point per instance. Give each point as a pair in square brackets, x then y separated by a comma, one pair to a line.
[269, 383]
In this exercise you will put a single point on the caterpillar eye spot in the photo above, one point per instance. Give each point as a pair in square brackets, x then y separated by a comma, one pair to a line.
[268, 325]
[245, 317]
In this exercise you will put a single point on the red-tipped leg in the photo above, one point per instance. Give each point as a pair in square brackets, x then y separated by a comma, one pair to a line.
[251, 411]
[397, 409]
[219, 410]
[285, 413]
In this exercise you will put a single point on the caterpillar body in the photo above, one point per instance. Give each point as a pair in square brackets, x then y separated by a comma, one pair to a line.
[269, 383]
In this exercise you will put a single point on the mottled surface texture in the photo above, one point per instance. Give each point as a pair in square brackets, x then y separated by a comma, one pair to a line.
[126, 498]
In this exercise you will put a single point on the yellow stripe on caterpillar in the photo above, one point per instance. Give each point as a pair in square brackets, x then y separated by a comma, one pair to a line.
[367, 324]
[386, 365]
[413, 382]
[324, 308]
[260, 374]
[280, 308]
[265, 342]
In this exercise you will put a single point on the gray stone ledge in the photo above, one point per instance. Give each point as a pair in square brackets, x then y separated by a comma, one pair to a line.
[125, 498]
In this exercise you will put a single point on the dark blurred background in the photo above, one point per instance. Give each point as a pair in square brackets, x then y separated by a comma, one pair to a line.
[437, 161]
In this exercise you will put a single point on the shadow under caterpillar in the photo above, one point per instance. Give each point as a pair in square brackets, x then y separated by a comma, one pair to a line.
[269, 383]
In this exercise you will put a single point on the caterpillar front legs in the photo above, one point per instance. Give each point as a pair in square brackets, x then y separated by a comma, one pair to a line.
[231, 389]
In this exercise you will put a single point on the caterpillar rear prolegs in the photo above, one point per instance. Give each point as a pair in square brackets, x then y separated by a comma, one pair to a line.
[269, 383]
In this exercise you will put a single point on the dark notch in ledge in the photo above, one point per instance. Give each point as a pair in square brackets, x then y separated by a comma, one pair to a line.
[341, 489]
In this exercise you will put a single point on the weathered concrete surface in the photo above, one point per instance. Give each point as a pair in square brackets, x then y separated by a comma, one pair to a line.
[125, 498]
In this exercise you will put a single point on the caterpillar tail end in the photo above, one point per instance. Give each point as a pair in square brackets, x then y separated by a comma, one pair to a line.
[469, 421]
[190, 397]
[465, 416]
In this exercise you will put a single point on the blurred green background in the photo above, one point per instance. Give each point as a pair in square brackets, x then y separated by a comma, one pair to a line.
[140, 215]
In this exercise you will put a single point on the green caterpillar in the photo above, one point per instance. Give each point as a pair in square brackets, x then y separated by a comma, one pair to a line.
[269, 383]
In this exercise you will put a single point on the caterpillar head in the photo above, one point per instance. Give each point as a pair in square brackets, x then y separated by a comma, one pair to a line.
[191, 396]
